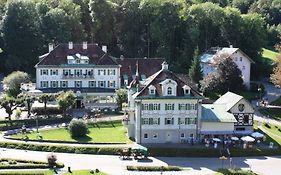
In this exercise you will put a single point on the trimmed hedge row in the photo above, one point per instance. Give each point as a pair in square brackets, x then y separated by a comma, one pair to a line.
[25, 164]
[16, 124]
[153, 168]
[62, 148]
[164, 152]
[211, 152]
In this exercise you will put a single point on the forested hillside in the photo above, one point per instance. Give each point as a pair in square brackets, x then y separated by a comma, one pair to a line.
[172, 29]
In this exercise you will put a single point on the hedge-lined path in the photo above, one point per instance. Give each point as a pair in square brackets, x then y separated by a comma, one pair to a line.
[115, 166]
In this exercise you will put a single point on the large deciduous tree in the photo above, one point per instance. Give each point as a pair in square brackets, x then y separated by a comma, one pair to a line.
[45, 98]
[275, 77]
[228, 77]
[21, 34]
[121, 97]
[13, 82]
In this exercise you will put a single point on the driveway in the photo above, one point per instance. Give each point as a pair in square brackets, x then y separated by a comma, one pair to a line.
[114, 166]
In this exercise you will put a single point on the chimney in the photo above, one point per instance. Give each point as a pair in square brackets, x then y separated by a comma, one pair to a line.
[122, 57]
[51, 47]
[104, 48]
[231, 46]
[165, 66]
[85, 45]
[70, 45]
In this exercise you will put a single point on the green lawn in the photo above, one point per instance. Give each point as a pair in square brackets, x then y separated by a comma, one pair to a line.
[35, 172]
[101, 133]
[83, 172]
[270, 132]
[269, 54]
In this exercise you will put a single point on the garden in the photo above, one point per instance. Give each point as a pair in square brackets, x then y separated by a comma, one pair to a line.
[102, 132]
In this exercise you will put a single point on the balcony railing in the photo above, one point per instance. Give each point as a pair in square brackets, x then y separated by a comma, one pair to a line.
[72, 76]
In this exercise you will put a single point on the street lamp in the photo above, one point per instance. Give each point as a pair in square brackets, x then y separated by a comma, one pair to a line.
[259, 90]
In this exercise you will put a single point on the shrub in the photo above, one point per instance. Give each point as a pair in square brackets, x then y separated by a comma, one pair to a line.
[279, 129]
[267, 125]
[12, 162]
[78, 128]
[49, 110]
[51, 158]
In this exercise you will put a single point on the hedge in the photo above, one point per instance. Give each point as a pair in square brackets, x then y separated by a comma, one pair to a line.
[153, 168]
[62, 148]
[211, 152]
[26, 164]
[164, 152]
[17, 124]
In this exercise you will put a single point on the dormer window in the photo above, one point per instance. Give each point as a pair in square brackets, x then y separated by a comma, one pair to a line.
[186, 90]
[169, 91]
[151, 90]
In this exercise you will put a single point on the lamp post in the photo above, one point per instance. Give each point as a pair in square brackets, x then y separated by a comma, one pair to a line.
[259, 90]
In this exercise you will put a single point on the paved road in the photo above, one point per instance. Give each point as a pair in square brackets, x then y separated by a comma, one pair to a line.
[114, 166]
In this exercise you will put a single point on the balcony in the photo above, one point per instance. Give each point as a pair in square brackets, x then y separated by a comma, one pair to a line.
[72, 76]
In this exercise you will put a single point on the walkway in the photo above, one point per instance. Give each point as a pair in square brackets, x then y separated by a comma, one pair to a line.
[115, 166]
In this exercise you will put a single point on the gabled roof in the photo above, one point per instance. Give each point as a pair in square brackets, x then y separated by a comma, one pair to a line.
[229, 99]
[209, 55]
[58, 56]
[159, 77]
[147, 67]
[216, 113]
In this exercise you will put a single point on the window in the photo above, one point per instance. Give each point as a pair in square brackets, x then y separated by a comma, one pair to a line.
[155, 121]
[111, 84]
[246, 119]
[236, 59]
[182, 135]
[111, 71]
[156, 107]
[169, 106]
[169, 91]
[63, 84]
[169, 121]
[54, 84]
[155, 136]
[191, 121]
[54, 72]
[152, 92]
[240, 58]
[243, 67]
[145, 121]
[101, 83]
[78, 84]
[181, 121]
[44, 72]
[145, 136]
[92, 84]
[44, 84]
[182, 106]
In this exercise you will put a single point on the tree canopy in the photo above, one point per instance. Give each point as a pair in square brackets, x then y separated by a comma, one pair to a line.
[13, 82]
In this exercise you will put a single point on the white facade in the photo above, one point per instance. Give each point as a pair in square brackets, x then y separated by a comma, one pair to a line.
[241, 59]
[56, 77]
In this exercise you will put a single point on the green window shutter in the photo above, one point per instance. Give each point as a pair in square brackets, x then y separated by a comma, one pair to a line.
[158, 121]
[150, 121]
[178, 121]
[159, 106]
[172, 120]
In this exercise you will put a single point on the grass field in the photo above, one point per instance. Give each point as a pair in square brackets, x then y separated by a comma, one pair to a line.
[269, 54]
[274, 113]
[35, 172]
[270, 132]
[101, 133]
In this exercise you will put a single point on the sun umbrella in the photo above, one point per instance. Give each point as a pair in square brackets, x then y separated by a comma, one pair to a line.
[257, 135]
[216, 139]
[139, 147]
[234, 138]
[248, 139]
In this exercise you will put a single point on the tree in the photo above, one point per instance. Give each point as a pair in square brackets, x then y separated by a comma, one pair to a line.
[66, 100]
[21, 34]
[45, 98]
[195, 72]
[121, 97]
[10, 104]
[78, 128]
[275, 77]
[228, 77]
[28, 100]
[13, 82]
